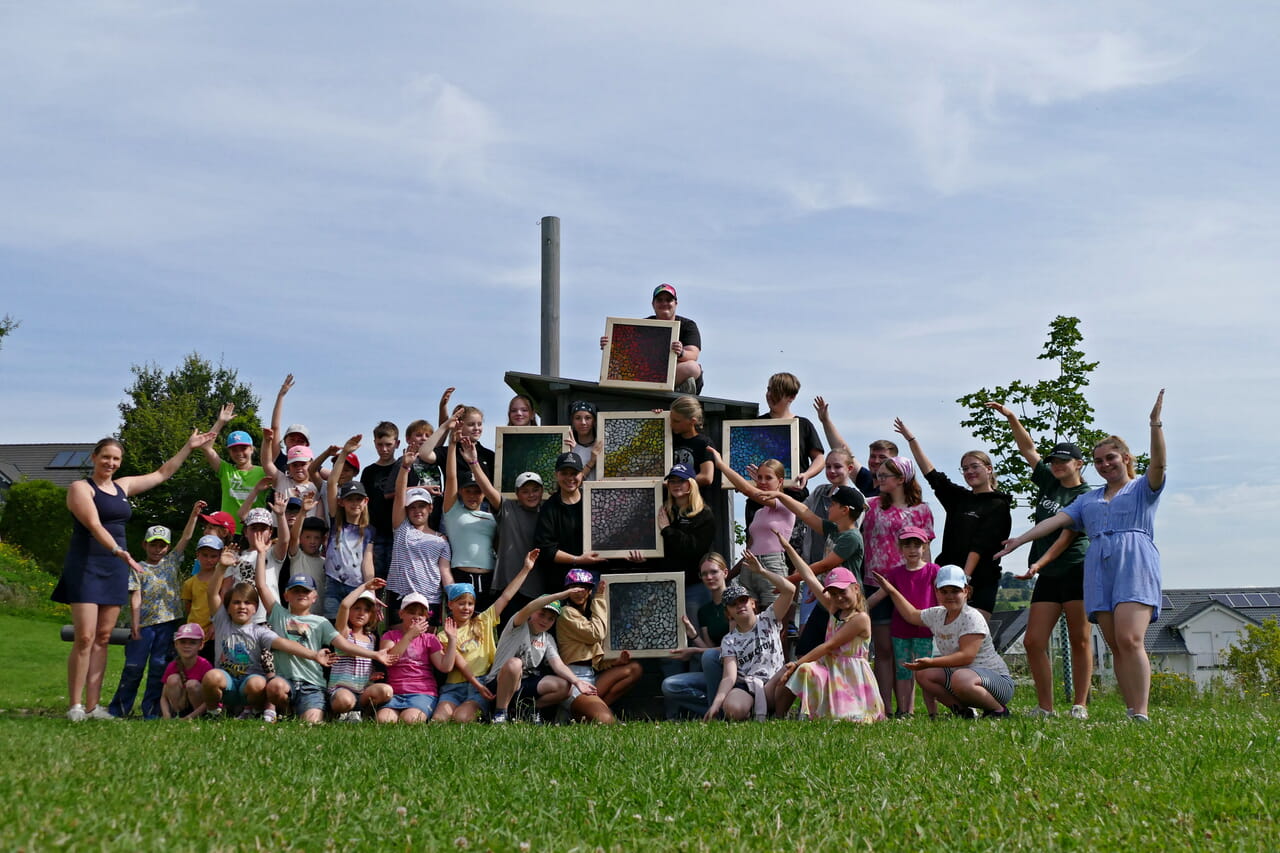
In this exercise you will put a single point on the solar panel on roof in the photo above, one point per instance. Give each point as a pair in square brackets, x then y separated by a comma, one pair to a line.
[1166, 603]
[1256, 599]
[1221, 598]
[60, 461]
[1272, 599]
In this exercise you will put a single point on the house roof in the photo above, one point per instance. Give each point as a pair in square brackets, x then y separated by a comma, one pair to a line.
[1253, 603]
[62, 464]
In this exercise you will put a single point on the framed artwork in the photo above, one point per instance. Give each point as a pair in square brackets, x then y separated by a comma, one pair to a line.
[638, 354]
[527, 448]
[646, 613]
[750, 442]
[621, 516]
[636, 444]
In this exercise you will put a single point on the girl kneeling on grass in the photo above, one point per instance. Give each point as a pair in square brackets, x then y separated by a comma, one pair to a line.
[182, 695]
[412, 676]
[350, 689]
[967, 673]
[751, 653]
[834, 679]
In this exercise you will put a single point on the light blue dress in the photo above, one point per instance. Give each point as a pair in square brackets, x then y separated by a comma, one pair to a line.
[1122, 563]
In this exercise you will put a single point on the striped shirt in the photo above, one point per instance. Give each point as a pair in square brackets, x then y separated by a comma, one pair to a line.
[415, 561]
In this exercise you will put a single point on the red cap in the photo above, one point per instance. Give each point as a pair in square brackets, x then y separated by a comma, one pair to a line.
[221, 519]
[353, 461]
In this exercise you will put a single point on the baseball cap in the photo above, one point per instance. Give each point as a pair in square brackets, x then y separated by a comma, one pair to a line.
[258, 515]
[415, 598]
[466, 478]
[368, 596]
[298, 429]
[680, 471]
[665, 288]
[189, 631]
[734, 593]
[528, 477]
[302, 581]
[951, 576]
[210, 541]
[239, 438]
[568, 460]
[839, 578]
[851, 498]
[915, 533]
[300, 453]
[294, 502]
[416, 495]
[579, 577]
[353, 461]
[158, 531]
[355, 487]
[1065, 450]
[222, 519]
[554, 606]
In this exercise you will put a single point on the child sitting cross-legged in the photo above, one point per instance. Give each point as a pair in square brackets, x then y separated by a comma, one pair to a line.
[351, 687]
[300, 681]
[183, 694]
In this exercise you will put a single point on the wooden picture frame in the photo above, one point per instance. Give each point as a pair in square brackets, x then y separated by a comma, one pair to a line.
[638, 354]
[750, 442]
[621, 516]
[527, 448]
[646, 614]
[636, 444]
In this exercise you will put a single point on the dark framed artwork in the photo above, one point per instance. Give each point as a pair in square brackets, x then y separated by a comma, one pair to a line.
[621, 516]
[636, 444]
[637, 354]
[646, 614]
[750, 442]
[527, 448]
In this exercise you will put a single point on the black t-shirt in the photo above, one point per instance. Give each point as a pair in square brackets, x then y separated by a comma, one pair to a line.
[689, 334]
[380, 483]
[975, 523]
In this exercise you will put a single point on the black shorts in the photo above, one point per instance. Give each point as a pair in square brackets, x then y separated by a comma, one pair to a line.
[982, 593]
[1061, 589]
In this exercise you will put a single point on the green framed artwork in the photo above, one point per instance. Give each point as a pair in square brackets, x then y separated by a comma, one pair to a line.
[527, 448]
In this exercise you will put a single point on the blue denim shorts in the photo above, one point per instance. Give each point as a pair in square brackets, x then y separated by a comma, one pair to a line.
[234, 692]
[305, 697]
[424, 702]
[463, 691]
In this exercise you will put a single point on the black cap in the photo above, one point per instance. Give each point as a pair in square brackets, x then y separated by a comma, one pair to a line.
[466, 478]
[355, 487]
[569, 460]
[582, 406]
[1065, 450]
[851, 498]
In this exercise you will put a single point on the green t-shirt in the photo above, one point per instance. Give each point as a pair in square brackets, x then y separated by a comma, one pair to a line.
[314, 632]
[237, 484]
[847, 545]
[1052, 498]
[712, 617]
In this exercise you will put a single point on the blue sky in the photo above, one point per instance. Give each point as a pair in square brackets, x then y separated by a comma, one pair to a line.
[892, 203]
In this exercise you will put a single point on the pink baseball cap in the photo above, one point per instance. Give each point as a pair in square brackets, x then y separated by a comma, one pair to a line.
[189, 631]
[300, 453]
[915, 533]
[839, 578]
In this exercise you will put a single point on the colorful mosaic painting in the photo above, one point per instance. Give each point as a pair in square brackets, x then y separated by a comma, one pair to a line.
[636, 444]
[639, 354]
[622, 516]
[645, 613]
[752, 442]
[520, 449]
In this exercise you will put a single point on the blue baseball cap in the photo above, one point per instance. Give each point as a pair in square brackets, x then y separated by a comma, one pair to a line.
[302, 581]
[239, 438]
[680, 471]
[210, 541]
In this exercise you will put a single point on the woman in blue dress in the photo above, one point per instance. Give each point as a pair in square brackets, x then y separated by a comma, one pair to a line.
[1122, 565]
[95, 574]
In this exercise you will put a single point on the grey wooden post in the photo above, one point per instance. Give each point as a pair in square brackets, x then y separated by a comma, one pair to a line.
[550, 296]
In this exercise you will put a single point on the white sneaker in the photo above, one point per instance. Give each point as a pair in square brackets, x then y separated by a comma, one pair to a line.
[350, 717]
[1040, 713]
[1079, 712]
[101, 713]
[76, 714]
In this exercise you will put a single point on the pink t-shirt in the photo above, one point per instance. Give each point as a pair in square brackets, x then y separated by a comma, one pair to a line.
[195, 672]
[880, 529]
[766, 520]
[916, 587]
[412, 673]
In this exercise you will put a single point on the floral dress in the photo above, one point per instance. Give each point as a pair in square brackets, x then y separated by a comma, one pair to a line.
[840, 686]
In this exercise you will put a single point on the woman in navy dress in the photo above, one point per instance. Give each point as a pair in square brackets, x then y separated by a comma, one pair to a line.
[95, 574]
[1122, 584]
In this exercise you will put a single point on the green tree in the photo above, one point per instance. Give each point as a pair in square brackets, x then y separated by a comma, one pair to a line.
[1255, 660]
[1052, 410]
[36, 519]
[7, 325]
[157, 416]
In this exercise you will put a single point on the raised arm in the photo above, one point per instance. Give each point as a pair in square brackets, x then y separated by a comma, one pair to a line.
[801, 512]
[427, 452]
[250, 499]
[739, 482]
[340, 463]
[443, 414]
[277, 412]
[402, 485]
[537, 604]
[260, 540]
[450, 473]
[141, 483]
[189, 530]
[530, 560]
[267, 455]
[834, 438]
[225, 414]
[469, 455]
[344, 607]
[1021, 437]
[806, 573]
[228, 559]
[922, 461]
[315, 472]
[1156, 466]
[785, 588]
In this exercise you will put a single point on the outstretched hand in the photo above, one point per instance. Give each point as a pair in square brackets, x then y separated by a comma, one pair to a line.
[999, 407]
[1157, 408]
[901, 429]
[820, 406]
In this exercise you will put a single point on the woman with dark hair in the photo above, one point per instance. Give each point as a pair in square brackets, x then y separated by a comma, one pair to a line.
[95, 574]
[978, 519]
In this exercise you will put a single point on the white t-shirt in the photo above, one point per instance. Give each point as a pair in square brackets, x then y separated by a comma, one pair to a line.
[946, 636]
[758, 651]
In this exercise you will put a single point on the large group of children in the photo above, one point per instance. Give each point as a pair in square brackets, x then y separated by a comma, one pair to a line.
[410, 590]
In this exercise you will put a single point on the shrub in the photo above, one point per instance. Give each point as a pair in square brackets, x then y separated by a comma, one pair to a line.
[36, 519]
[1172, 688]
[25, 587]
[1254, 662]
